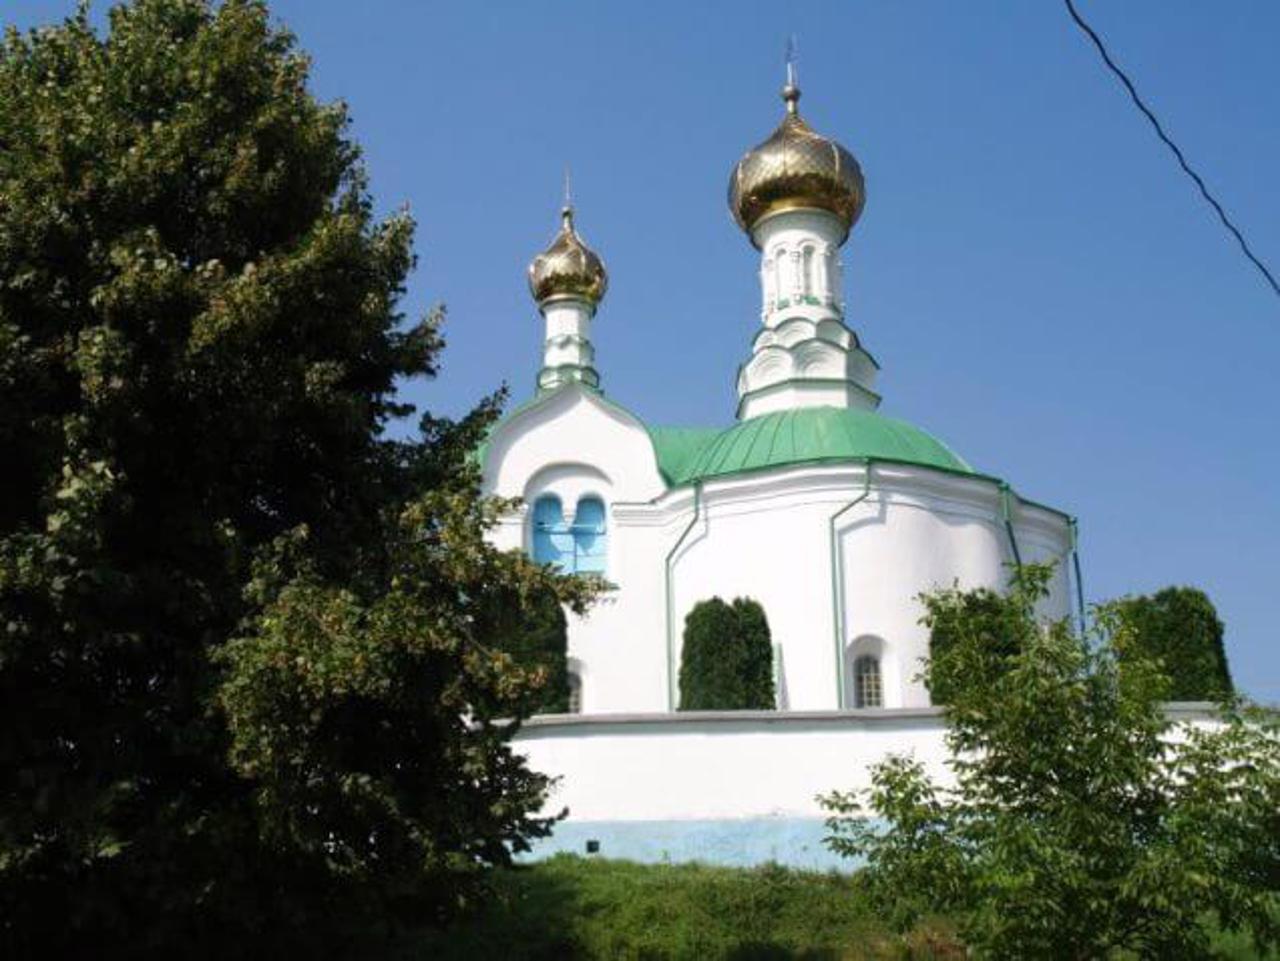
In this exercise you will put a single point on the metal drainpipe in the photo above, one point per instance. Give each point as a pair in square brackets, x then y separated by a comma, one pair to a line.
[671, 645]
[777, 677]
[837, 577]
[1005, 494]
[1075, 561]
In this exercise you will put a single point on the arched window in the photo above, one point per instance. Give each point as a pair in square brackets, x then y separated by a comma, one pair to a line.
[577, 548]
[589, 536]
[867, 689]
[575, 692]
[552, 541]
[810, 276]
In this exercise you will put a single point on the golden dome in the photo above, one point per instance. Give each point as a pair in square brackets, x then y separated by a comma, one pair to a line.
[568, 268]
[796, 168]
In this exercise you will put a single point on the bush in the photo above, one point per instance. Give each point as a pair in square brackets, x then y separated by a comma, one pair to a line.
[574, 909]
[1179, 628]
[727, 662]
[1081, 822]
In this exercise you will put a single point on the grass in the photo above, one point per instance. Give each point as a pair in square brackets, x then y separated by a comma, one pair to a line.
[575, 909]
[569, 908]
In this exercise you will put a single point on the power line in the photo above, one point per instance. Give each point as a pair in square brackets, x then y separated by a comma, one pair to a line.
[1182, 161]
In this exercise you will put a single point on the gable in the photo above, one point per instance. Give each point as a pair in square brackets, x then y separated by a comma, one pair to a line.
[569, 431]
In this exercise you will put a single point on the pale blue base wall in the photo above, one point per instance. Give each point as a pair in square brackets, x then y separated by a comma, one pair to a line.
[745, 842]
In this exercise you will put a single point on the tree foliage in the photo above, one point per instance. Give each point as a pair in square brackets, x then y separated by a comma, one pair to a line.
[1081, 823]
[535, 634]
[727, 660]
[984, 612]
[1179, 627]
[246, 684]
[1176, 626]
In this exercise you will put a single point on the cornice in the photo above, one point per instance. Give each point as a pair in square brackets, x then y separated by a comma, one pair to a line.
[974, 496]
[693, 722]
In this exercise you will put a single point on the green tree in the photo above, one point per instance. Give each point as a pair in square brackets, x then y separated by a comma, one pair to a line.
[1081, 823]
[246, 686]
[535, 634]
[727, 659]
[1179, 627]
[981, 611]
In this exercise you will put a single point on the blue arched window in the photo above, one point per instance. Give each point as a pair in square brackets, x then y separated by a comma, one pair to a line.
[577, 548]
[552, 542]
[589, 538]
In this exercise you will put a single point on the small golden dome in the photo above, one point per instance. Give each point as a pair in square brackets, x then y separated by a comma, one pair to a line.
[796, 168]
[568, 268]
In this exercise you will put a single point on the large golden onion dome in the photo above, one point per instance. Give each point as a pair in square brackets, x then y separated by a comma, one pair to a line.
[568, 269]
[796, 168]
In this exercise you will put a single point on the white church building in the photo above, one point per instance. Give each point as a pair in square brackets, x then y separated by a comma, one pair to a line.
[830, 514]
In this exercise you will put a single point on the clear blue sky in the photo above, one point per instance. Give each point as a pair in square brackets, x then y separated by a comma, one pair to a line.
[1039, 282]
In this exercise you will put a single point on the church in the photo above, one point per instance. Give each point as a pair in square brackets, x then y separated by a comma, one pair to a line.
[830, 514]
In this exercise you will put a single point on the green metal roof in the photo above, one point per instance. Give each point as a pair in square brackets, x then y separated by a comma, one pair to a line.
[808, 435]
[678, 447]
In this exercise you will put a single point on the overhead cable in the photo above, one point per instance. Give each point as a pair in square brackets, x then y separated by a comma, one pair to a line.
[1182, 160]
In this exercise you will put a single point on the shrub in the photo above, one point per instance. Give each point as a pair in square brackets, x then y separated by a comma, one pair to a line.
[1179, 628]
[1081, 822]
[727, 662]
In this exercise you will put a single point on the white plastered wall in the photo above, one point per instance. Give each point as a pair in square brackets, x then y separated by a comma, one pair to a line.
[743, 764]
[573, 444]
[765, 536]
[768, 537]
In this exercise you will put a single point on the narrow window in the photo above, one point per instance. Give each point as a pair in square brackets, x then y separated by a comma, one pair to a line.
[867, 690]
[810, 275]
[552, 541]
[589, 536]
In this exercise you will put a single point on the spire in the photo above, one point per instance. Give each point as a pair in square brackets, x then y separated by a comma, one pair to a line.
[566, 209]
[791, 89]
